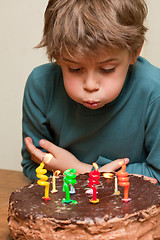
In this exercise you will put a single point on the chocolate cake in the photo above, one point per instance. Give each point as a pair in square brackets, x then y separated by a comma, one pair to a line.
[31, 217]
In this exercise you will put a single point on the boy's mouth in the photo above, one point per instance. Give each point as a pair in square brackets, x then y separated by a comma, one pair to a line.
[92, 104]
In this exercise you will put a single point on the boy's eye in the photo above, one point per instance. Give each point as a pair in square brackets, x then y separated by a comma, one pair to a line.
[74, 69]
[104, 70]
[108, 70]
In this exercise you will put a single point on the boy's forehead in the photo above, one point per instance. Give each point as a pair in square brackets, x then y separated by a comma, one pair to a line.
[101, 55]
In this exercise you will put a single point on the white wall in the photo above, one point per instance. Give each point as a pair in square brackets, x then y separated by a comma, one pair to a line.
[21, 24]
[151, 50]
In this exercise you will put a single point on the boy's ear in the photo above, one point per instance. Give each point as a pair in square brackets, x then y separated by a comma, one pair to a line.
[58, 62]
[139, 51]
[134, 59]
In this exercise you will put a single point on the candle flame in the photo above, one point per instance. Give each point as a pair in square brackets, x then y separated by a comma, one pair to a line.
[95, 166]
[121, 163]
[47, 158]
[57, 172]
[108, 175]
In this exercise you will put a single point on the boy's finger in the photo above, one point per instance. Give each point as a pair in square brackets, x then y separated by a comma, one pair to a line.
[48, 146]
[115, 165]
[35, 152]
[126, 160]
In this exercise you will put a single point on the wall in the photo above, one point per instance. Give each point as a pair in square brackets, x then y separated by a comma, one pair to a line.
[21, 24]
[151, 49]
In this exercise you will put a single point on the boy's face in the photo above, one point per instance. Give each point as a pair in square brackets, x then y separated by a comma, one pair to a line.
[95, 81]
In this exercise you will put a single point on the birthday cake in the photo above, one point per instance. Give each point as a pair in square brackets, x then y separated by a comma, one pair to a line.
[31, 217]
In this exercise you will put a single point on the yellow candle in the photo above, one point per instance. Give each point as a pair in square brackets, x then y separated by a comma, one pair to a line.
[116, 192]
[43, 180]
[56, 173]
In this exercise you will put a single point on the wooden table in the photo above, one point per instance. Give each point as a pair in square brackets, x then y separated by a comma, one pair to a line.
[9, 182]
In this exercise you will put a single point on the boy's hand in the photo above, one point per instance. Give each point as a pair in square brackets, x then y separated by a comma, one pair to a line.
[36, 154]
[113, 166]
[62, 159]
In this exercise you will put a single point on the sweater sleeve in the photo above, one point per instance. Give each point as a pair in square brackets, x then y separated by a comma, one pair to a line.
[34, 120]
[151, 166]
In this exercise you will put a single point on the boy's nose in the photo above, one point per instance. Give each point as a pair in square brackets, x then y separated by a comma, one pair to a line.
[90, 84]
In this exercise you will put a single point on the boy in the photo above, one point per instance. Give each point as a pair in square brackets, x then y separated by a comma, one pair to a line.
[99, 102]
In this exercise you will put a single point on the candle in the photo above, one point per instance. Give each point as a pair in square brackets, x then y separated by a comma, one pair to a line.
[70, 178]
[124, 181]
[109, 176]
[43, 180]
[47, 158]
[116, 191]
[72, 189]
[94, 180]
[55, 174]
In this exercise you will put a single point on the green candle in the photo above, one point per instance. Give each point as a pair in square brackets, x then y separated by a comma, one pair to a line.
[70, 178]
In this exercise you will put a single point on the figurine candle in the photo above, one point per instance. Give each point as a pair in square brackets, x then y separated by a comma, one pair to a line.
[124, 181]
[56, 173]
[94, 180]
[72, 189]
[116, 191]
[43, 180]
[70, 178]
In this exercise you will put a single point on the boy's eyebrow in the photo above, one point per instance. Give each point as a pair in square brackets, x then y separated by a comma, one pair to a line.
[105, 61]
[69, 60]
[109, 60]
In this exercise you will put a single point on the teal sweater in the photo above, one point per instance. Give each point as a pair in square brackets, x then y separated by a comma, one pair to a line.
[129, 126]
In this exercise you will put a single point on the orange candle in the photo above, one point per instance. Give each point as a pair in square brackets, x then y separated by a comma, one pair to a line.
[124, 181]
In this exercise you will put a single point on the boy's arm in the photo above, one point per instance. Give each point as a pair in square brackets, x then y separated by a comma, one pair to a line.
[34, 122]
[151, 166]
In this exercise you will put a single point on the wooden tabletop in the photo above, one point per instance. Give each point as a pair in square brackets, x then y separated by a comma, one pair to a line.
[9, 182]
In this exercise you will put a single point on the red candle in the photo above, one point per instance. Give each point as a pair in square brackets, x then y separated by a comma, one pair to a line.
[124, 181]
[94, 180]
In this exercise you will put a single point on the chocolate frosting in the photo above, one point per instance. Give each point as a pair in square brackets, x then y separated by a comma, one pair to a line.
[28, 202]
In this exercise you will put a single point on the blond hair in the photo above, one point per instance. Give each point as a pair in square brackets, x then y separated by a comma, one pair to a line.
[84, 26]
